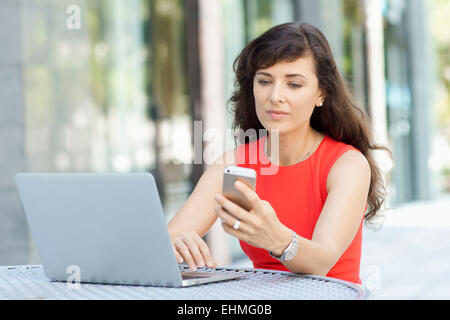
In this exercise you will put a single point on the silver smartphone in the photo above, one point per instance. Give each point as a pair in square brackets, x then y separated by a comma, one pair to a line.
[230, 175]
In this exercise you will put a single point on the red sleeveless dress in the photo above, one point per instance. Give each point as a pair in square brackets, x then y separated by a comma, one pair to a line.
[298, 193]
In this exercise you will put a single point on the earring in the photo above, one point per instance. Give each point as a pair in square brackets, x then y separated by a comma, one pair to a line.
[320, 104]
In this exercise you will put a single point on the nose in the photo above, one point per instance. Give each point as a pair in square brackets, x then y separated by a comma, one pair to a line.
[277, 95]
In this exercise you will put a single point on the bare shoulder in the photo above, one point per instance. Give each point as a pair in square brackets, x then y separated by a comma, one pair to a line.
[352, 166]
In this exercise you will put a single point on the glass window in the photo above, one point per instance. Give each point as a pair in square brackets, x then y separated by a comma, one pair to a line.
[398, 100]
[169, 105]
[85, 95]
[353, 63]
[107, 92]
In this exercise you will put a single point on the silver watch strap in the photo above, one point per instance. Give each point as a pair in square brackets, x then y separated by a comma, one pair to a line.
[290, 251]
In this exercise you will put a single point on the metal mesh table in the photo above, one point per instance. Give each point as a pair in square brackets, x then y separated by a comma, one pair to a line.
[30, 282]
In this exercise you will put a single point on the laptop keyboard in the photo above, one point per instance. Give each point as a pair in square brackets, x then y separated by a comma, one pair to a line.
[185, 268]
[200, 273]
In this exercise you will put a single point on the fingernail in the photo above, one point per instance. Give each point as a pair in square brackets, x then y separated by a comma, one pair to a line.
[201, 265]
[193, 268]
[217, 196]
[209, 263]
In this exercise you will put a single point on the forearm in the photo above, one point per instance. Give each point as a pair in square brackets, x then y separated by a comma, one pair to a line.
[182, 222]
[197, 213]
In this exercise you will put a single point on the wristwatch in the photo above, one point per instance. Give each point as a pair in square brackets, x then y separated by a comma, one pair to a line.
[290, 252]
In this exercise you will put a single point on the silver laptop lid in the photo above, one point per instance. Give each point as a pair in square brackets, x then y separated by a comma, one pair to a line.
[110, 225]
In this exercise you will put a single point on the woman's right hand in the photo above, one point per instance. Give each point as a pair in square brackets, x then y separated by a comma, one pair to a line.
[191, 248]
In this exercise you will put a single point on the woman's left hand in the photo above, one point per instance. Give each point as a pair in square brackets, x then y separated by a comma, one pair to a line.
[259, 226]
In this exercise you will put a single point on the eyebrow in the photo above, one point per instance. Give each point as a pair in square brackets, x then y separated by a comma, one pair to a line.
[290, 75]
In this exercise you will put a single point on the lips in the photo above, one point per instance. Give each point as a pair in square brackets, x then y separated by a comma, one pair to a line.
[277, 112]
[277, 115]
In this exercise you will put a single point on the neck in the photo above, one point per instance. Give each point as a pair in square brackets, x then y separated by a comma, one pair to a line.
[293, 146]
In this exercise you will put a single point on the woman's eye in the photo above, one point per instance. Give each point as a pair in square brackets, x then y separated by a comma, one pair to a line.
[267, 82]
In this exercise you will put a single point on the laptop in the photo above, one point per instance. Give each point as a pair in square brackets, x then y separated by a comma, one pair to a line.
[109, 226]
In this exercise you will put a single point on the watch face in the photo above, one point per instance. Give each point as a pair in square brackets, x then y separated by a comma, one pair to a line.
[291, 252]
[289, 255]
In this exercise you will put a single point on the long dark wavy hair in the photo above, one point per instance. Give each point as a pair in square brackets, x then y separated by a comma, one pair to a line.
[339, 117]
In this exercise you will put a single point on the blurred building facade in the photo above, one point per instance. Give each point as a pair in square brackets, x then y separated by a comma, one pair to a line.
[116, 86]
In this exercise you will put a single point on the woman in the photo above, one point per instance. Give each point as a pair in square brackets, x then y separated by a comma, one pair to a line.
[307, 217]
